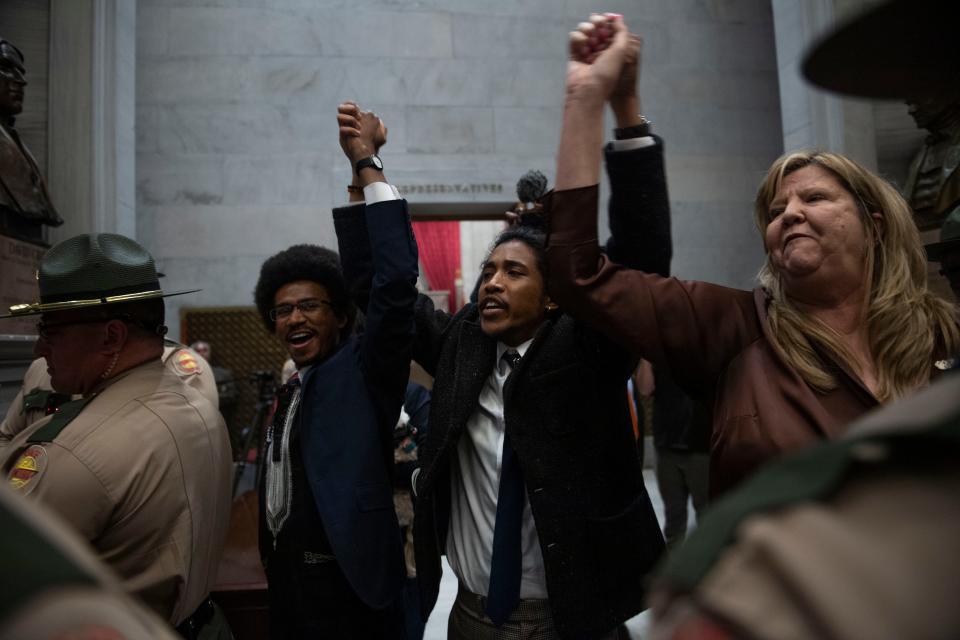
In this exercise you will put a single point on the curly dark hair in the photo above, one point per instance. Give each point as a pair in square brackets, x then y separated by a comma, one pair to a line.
[531, 186]
[304, 262]
[532, 232]
[530, 235]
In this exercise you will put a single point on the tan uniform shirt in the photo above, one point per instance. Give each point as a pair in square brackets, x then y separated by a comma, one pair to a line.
[878, 559]
[143, 474]
[183, 361]
[76, 597]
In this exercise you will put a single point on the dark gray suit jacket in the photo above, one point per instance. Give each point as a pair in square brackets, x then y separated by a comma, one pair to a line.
[567, 416]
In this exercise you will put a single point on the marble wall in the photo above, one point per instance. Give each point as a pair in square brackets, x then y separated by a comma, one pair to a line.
[237, 154]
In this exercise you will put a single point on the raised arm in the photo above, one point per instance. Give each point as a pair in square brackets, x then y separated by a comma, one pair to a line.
[638, 208]
[598, 51]
[387, 341]
[355, 246]
[350, 221]
[694, 328]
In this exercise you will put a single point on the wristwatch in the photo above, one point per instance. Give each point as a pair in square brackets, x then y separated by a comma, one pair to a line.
[371, 162]
[636, 131]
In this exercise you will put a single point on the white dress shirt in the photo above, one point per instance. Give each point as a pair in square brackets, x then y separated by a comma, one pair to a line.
[380, 192]
[629, 144]
[475, 484]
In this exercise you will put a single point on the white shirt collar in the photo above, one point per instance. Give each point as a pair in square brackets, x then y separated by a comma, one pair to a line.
[521, 349]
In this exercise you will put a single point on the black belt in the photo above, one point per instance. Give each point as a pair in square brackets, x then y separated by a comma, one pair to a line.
[190, 628]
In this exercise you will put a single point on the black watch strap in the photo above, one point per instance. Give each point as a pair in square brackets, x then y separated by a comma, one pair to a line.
[636, 131]
[370, 161]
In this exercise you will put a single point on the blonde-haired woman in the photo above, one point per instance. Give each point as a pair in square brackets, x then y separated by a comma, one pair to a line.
[898, 324]
[841, 323]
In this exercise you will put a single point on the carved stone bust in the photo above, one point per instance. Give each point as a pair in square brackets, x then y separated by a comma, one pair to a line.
[24, 202]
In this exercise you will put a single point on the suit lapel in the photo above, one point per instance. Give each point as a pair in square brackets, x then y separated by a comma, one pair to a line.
[472, 364]
[532, 364]
[475, 362]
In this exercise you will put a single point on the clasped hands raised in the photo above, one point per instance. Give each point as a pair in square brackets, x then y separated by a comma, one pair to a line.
[362, 133]
[604, 59]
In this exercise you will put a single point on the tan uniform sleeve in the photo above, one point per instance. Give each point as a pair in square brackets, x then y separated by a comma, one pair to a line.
[14, 422]
[17, 419]
[193, 370]
[68, 487]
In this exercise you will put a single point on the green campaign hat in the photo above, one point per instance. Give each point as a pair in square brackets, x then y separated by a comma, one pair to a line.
[899, 49]
[949, 238]
[91, 270]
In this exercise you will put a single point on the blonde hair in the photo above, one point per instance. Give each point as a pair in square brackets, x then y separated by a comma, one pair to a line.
[907, 325]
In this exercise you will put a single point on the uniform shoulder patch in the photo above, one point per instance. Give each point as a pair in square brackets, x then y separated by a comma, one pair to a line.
[185, 363]
[29, 467]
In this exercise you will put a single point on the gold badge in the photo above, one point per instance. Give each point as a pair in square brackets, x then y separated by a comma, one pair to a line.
[185, 363]
[28, 468]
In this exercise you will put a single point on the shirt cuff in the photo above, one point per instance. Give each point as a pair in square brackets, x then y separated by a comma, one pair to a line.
[632, 143]
[380, 192]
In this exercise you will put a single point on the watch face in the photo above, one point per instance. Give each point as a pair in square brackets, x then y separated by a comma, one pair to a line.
[377, 163]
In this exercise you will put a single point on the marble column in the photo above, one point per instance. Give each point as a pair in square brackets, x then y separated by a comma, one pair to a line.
[812, 118]
[91, 159]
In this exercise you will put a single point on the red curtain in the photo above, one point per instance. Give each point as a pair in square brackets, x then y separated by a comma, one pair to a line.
[439, 247]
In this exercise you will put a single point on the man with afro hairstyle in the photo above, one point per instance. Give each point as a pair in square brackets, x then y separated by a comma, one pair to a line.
[329, 538]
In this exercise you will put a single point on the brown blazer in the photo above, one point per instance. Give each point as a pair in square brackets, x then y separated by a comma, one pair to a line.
[715, 340]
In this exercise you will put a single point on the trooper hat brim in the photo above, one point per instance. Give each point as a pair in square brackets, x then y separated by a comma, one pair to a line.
[36, 308]
[896, 50]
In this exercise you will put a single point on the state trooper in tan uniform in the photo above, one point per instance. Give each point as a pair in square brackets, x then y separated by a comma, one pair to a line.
[140, 464]
[856, 538]
[37, 399]
[71, 594]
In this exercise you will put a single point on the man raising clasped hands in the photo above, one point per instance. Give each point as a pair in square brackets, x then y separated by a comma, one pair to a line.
[529, 480]
[328, 532]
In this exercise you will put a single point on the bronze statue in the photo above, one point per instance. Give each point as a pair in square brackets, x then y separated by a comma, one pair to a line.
[24, 202]
[933, 184]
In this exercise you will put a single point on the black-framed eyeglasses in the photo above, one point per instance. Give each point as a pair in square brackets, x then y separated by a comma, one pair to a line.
[43, 328]
[306, 307]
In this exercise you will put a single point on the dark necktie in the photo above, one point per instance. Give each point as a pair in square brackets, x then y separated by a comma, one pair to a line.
[503, 593]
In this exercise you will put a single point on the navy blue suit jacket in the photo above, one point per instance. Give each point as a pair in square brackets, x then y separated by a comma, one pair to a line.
[349, 406]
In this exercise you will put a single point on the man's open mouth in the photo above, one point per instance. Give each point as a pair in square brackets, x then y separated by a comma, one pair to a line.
[299, 338]
[491, 308]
